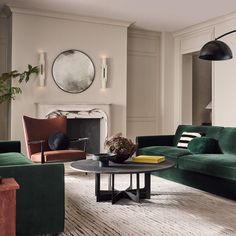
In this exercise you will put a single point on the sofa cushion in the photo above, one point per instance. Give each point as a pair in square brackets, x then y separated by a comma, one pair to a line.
[13, 158]
[186, 137]
[204, 145]
[167, 151]
[208, 131]
[227, 141]
[219, 165]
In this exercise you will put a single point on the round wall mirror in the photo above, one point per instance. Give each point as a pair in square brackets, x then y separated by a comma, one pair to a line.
[73, 71]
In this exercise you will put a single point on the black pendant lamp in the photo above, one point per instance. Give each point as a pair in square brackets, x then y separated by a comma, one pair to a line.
[216, 50]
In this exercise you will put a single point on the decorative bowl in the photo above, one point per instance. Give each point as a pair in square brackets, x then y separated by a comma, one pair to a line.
[103, 158]
[120, 158]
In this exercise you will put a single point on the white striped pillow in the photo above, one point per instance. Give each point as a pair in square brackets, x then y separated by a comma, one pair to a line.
[186, 138]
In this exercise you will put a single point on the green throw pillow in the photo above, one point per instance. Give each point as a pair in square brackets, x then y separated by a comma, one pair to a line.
[204, 145]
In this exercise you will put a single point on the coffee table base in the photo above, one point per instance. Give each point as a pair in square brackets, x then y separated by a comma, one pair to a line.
[115, 195]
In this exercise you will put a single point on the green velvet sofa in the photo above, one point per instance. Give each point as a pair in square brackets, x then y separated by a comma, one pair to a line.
[40, 203]
[212, 172]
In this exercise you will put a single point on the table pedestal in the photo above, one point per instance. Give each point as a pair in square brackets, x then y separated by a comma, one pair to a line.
[115, 195]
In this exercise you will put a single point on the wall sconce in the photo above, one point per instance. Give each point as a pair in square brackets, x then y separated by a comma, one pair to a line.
[104, 73]
[41, 69]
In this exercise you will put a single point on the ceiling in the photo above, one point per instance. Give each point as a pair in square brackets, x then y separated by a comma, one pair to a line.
[158, 15]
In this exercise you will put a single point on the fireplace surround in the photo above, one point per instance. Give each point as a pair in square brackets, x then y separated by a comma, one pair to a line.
[79, 111]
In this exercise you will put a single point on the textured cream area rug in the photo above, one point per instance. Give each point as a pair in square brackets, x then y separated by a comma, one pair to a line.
[173, 209]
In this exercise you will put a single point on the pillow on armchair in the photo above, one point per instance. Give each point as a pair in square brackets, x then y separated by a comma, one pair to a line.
[58, 141]
[204, 145]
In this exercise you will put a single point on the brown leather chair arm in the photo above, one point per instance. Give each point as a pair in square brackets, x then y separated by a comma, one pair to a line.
[36, 142]
[41, 148]
[84, 140]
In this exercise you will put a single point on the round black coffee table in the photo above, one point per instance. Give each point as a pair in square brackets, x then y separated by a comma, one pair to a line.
[127, 167]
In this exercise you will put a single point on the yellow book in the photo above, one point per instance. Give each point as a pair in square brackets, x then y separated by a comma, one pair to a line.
[148, 159]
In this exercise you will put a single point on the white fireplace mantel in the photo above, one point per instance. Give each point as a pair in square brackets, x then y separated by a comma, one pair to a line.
[76, 111]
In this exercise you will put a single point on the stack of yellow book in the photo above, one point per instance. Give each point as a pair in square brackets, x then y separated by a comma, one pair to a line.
[148, 159]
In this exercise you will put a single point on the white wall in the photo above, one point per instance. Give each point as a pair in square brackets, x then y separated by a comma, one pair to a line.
[187, 90]
[4, 49]
[225, 79]
[53, 34]
[143, 97]
[167, 83]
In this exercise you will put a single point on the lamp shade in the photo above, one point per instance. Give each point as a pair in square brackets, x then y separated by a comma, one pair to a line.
[215, 50]
[209, 106]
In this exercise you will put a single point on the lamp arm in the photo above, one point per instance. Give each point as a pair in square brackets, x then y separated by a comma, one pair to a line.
[230, 32]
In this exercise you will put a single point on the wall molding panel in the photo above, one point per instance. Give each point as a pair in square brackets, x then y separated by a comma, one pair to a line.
[143, 83]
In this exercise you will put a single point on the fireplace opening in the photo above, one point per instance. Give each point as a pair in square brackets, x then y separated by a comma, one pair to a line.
[81, 128]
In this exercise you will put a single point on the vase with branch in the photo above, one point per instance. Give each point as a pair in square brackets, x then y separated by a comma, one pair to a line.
[121, 146]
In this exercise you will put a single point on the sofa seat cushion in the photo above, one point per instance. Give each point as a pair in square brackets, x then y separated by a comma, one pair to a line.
[167, 151]
[60, 155]
[218, 165]
[13, 158]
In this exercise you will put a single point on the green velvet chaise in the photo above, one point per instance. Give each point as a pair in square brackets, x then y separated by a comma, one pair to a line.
[40, 199]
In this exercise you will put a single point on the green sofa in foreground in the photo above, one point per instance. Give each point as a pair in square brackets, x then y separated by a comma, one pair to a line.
[213, 172]
[40, 203]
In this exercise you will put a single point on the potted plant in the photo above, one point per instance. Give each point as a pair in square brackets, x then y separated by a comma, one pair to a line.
[8, 92]
[121, 146]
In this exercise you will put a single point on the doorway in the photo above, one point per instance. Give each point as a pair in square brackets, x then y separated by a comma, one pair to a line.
[196, 90]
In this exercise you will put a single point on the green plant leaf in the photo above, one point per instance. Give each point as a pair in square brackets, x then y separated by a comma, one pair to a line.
[6, 91]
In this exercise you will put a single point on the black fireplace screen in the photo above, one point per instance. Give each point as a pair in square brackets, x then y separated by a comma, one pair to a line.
[80, 128]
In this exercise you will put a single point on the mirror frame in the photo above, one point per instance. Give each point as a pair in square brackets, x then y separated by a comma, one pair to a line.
[78, 51]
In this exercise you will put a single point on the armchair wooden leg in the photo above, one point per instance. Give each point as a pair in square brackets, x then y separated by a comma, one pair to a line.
[42, 154]
[85, 145]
